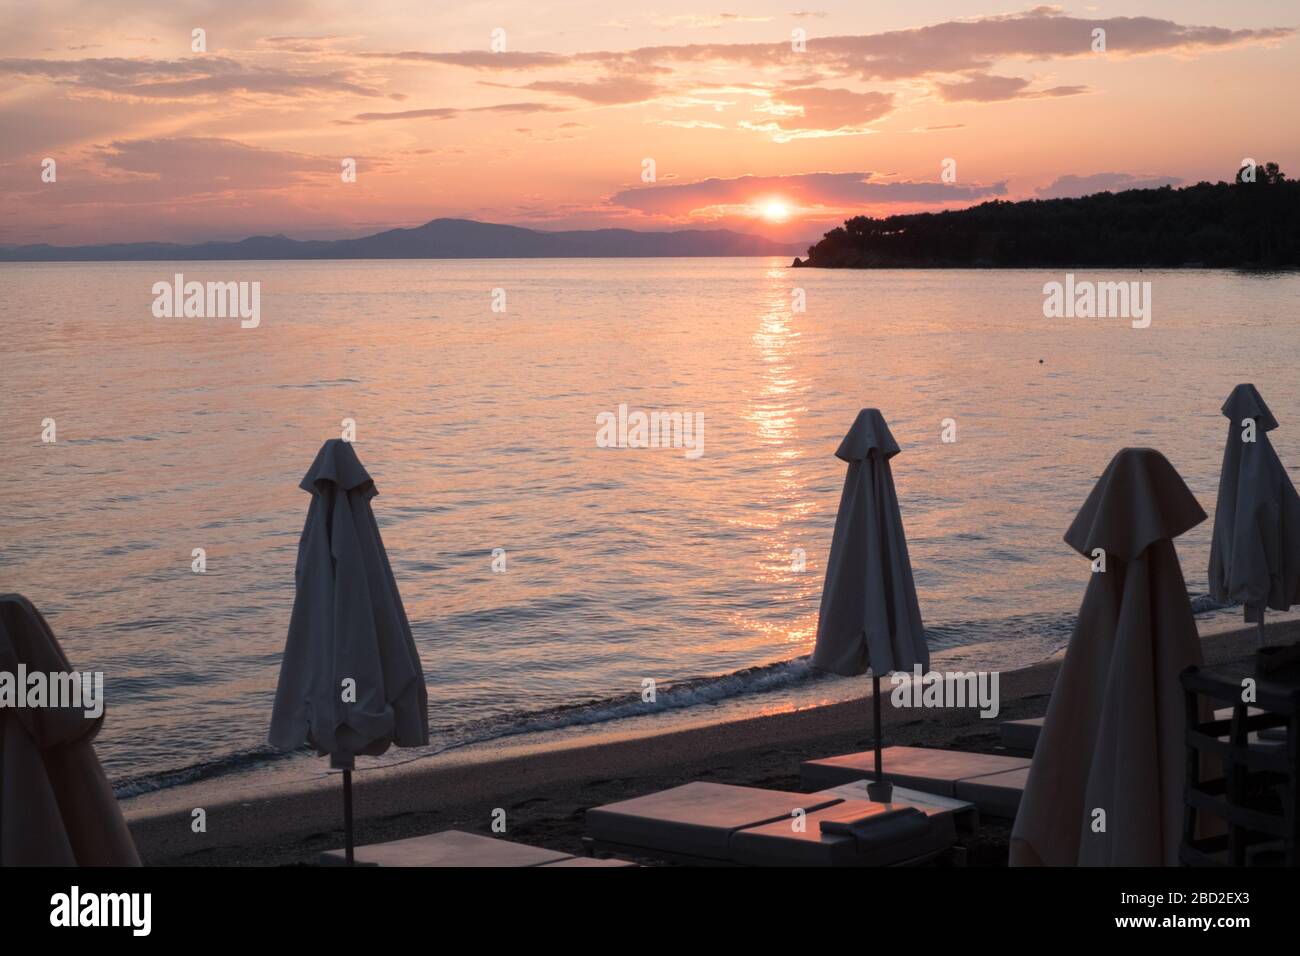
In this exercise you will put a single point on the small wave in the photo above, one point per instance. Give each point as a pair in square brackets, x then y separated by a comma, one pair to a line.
[1204, 603]
[231, 763]
[676, 696]
[322, 384]
[1049, 632]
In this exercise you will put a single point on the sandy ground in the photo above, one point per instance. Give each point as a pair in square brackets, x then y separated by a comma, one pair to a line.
[545, 794]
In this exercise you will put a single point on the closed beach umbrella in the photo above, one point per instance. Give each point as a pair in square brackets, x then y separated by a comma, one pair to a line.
[56, 806]
[350, 680]
[1255, 554]
[869, 613]
[1106, 784]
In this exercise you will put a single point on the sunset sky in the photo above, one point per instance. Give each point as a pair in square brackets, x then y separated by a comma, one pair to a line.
[153, 141]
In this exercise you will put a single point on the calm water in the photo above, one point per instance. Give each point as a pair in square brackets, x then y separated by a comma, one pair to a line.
[623, 564]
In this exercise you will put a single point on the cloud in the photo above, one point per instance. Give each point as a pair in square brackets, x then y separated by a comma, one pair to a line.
[807, 191]
[819, 108]
[987, 88]
[955, 56]
[690, 124]
[1070, 90]
[608, 91]
[327, 43]
[951, 47]
[1068, 186]
[201, 165]
[704, 21]
[451, 112]
[186, 189]
[1042, 33]
[179, 172]
[473, 59]
[197, 77]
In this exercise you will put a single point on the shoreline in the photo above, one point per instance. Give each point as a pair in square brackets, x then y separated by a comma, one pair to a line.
[544, 793]
[969, 267]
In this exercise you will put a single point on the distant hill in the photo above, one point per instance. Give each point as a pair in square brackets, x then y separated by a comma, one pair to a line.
[1221, 225]
[439, 239]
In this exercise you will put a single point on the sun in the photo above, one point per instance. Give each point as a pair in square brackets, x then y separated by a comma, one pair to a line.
[776, 211]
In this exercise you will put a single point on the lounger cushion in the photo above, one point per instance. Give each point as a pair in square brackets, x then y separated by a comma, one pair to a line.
[696, 819]
[966, 815]
[997, 794]
[448, 848]
[781, 844]
[918, 768]
[589, 861]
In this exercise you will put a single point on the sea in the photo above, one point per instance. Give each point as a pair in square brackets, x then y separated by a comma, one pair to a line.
[552, 577]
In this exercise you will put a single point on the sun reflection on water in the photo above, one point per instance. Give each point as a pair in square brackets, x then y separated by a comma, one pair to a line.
[774, 414]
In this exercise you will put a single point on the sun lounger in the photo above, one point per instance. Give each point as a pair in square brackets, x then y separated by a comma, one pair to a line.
[457, 848]
[1021, 736]
[695, 820]
[929, 771]
[721, 824]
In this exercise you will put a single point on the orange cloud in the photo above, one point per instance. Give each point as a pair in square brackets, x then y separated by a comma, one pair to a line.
[987, 88]
[807, 191]
[451, 112]
[199, 77]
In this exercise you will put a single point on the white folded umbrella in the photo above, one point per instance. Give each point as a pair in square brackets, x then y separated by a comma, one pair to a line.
[1255, 552]
[351, 682]
[56, 805]
[869, 616]
[1106, 784]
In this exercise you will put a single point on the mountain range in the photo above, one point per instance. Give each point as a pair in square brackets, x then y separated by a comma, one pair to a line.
[438, 239]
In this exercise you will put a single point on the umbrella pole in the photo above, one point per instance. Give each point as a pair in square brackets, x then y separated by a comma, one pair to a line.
[1259, 634]
[879, 790]
[875, 709]
[347, 814]
[345, 762]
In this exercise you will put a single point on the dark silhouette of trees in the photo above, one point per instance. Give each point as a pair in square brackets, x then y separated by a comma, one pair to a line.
[1268, 174]
[1221, 225]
